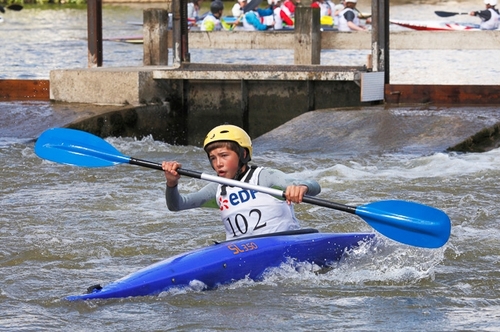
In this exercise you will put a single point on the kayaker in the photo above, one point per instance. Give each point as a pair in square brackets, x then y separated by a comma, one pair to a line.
[490, 17]
[280, 17]
[254, 20]
[348, 18]
[212, 22]
[244, 212]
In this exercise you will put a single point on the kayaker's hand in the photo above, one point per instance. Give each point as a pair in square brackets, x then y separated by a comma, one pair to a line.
[170, 169]
[294, 194]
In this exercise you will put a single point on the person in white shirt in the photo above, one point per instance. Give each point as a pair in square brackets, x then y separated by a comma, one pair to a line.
[348, 18]
[212, 21]
[490, 17]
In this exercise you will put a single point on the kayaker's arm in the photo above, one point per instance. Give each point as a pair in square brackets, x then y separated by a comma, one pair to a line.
[288, 21]
[485, 15]
[274, 178]
[252, 19]
[202, 198]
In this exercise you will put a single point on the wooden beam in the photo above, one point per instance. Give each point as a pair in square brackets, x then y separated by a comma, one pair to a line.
[442, 94]
[24, 90]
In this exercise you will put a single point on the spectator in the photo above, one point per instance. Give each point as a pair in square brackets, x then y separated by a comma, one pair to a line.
[348, 18]
[254, 19]
[212, 21]
[489, 17]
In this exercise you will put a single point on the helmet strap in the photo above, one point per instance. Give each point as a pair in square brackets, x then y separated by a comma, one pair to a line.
[243, 161]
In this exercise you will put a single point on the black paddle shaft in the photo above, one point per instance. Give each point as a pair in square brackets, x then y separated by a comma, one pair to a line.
[328, 204]
[198, 175]
[153, 165]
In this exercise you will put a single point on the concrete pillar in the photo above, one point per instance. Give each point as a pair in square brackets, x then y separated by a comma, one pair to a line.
[155, 30]
[307, 35]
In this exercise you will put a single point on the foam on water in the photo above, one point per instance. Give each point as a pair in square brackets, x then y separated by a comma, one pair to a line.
[438, 165]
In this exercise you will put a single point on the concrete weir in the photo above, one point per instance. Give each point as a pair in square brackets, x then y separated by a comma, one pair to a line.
[203, 95]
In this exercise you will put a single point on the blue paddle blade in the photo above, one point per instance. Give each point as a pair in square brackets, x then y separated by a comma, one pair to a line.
[408, 222]
[75, 147]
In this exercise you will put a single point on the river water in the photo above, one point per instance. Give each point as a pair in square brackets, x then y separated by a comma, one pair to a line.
[64, 228]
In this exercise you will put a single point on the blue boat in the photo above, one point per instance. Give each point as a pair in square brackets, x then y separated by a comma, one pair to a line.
[230, 261]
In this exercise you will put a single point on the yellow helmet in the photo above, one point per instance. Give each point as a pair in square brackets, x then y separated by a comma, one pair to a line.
[230, 133]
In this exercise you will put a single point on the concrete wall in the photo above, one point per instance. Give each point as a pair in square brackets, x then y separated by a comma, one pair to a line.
[111, 86]
[192, 108]
[257, 106]
[399, 40]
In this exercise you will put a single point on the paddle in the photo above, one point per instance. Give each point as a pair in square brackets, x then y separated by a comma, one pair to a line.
[14, 7]
[407, 222]
[448, 14]
[362, 15]
[251, 5]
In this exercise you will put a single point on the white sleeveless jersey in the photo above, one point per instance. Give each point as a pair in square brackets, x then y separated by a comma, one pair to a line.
[248, 212]
[493, 22]
[247, 26]
[343, 22]
[210, 23]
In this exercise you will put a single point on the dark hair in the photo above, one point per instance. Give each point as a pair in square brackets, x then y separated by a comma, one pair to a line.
[233, 146]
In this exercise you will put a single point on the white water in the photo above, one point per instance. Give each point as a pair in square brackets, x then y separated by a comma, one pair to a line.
[65, 228]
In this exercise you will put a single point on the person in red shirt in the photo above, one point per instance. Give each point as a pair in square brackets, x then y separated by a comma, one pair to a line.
[280, 15]
[290, 4]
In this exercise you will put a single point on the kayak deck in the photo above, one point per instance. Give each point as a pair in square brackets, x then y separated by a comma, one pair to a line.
[229, 261]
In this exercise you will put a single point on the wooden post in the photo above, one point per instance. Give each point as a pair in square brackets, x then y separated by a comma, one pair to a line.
[94, 33]
[307, 36]
[380, 37]
[180, 32]
[155, 30]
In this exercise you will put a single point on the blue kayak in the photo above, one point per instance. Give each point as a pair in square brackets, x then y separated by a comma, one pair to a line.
[229, 261]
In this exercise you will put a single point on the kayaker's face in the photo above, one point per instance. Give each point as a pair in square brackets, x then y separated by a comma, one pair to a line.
[225, 162]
